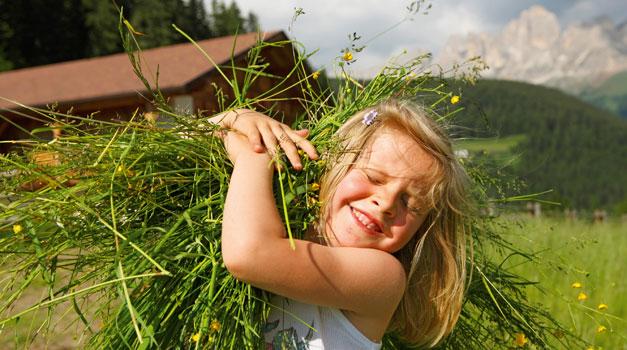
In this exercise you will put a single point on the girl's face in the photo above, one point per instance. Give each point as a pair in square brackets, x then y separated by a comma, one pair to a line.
[378, 204]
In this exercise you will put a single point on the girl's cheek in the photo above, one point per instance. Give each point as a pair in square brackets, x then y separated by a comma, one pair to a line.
[354, 186]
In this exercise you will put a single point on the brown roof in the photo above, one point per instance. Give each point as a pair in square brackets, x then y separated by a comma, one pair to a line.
[113, 76]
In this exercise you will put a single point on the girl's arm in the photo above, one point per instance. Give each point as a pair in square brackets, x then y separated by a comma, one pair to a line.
[255, 249]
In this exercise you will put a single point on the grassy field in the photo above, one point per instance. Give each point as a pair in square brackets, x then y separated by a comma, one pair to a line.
[580, 269]
[493, 146]
[499, 149]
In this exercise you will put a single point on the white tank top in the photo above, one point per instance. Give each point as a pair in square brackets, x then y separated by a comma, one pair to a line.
[299, 326]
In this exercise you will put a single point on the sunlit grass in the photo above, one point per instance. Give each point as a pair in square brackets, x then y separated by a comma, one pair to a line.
[580, 269]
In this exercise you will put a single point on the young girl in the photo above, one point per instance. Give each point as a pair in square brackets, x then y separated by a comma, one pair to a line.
[389, 251]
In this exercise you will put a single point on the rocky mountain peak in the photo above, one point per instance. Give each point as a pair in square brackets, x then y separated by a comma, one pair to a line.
[536, 28]
[534, 48]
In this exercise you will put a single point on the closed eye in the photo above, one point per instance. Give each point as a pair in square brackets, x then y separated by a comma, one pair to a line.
[415, 210]
[411, 204]
[374, 177]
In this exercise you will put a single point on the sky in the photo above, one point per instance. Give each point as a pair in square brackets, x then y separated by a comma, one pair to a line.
[326, 24]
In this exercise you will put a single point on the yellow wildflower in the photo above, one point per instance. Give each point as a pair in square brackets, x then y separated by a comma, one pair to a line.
[315, 75]
[590, 347]
[521, 340]
[17, 228]
[215, 325]
[575, 285]
[121, 169]
[348, 56]
[582, 296]
[315, 186]
[196, 337]
[454, 99]
[602, 307]
[601, 329]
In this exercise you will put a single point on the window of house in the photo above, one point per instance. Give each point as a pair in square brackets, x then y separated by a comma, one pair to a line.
[183, 104]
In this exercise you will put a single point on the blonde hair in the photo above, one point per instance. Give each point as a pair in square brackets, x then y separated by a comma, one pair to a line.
[434, 259]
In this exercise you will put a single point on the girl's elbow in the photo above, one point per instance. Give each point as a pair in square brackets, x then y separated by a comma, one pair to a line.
[246, 251]
[238, 259]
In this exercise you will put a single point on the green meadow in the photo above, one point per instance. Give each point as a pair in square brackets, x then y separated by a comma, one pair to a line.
[579, 267]
[493, 146]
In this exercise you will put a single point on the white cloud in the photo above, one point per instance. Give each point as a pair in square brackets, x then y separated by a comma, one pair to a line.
[326, 23]
[460, 19]
[585, 10]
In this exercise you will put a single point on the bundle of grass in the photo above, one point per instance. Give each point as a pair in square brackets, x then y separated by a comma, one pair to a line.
[124, 224]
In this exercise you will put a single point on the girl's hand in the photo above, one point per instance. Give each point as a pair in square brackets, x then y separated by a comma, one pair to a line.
[264, 134]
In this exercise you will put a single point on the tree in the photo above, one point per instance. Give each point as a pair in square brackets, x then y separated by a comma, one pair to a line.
[193, 19]
[101, 21]
[36, 32]
[153, 18]
[5, 32]
[228, 20]
[252, 22]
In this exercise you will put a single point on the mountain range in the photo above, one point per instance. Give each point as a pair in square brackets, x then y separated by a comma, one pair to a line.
[534, 48]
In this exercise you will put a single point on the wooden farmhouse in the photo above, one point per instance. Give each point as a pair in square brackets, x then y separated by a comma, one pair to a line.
[108, 87]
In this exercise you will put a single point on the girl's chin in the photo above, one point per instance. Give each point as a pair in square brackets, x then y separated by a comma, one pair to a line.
[355, 242]
[350, 236]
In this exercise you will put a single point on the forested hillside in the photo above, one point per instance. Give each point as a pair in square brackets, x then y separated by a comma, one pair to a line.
[572, 147]
[40, 32]
[611, 95]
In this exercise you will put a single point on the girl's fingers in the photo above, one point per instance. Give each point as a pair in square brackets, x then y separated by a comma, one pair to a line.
[269, 139]
[254, 138]
[302, 132]
[265, 134]
[288, 146]
[304, 144]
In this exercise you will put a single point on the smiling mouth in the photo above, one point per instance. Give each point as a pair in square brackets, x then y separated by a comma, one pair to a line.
[365, 221]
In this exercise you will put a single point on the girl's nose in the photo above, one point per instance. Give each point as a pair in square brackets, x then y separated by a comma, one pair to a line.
[387, 202]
